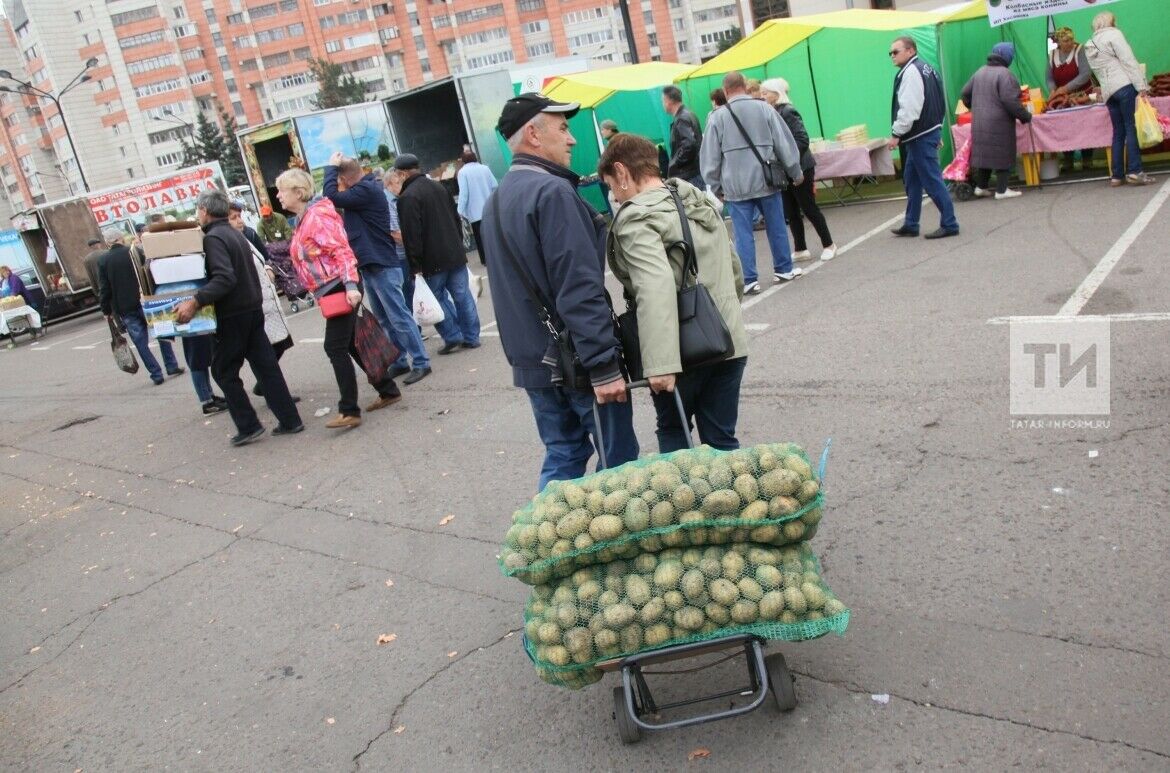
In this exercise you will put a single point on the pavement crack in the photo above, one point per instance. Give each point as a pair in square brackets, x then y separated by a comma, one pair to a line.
[94, 614]
[357, 758]
[857, 689]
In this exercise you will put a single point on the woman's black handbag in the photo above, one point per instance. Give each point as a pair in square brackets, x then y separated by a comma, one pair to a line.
[703, 337]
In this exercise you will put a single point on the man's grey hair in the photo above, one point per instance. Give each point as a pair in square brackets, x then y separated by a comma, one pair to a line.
[215, 203]
[515, 140]
[112, 236]
[1103, 20]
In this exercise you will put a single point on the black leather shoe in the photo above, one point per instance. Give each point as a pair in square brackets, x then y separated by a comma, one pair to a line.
[942, 233]
[466, 345]
[244, 438]
[176, 372]
[903, 231]
[283, 430]
[416, 375]
[398, 370]
[448, 348]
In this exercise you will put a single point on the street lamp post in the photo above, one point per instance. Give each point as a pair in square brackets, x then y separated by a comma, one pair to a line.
[28, 88]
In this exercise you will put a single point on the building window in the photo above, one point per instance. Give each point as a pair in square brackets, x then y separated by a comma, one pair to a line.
[592, 14]
[77, 15]
[192, 54]
[238, 109]
[653, 38]
[262, 11]
[184, 30]
[129, 17]
[235, 18]
[375, 85]
[680, 25]
[382, 9]
[388, 33]
[529, 5]
[180, 12]
[683, 46]
[296, 30]
[138, 40]
[352, 17]
[443, 20]
[199, 77]
[289, 5]
[357, 41]
[647, 17]
[300, 54]
[475, 14]
[540, 49]
[289, 81]
[332, 46]
[169, 159]
[486, 36]
[535, 26]
[217, 39]
[159, 87]
[153, 63]
[487, 60]
[590, 38]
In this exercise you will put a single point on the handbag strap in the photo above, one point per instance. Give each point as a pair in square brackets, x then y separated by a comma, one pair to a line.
[534, 294]
[690, 259]
[751, 145]
[115, 334]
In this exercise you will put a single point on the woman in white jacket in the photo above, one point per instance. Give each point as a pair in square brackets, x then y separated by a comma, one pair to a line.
[1120, 76]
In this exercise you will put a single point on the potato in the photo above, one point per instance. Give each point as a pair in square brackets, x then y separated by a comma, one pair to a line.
[548, 633]
[690, 618]
[745, 485]
[637, 516]
[667, 575]
[637, 590]
[578, 639]
[750, 589]
[645, 563]
[662, 514]
[724, 592]
[771, 605]
[657, 635]
[717, 613]
[655, 608]
[615, 502]
[674, 600]
[631, 638]
[799, 466]
[574, 495]
[606, 527]
[683, 497]
[721, 502]
[694, 584]
[745, 612]
[619, 615]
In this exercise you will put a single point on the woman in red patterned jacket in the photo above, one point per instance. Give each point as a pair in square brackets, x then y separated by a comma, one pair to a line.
[325, 264]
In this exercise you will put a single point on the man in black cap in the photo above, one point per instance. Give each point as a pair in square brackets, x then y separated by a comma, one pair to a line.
[433, 240]
[537, 231]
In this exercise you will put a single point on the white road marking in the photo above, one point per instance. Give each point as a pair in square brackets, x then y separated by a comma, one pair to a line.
[756, 327]
[312, 341]
[490, 324]
[817, 264]
[1097, 276]
[490, 333]
[1139, 317]
[91, 346]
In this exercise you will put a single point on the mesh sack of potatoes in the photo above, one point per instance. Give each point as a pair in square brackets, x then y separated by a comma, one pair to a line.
[768, 494]
[673, 597]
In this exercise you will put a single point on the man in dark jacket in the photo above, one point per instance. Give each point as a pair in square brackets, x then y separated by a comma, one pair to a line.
[234, 288]
[918, 112]
[685, 139]
[536, 223]
[121, 300]
[367, 224]
[434, 246]
[97, 248]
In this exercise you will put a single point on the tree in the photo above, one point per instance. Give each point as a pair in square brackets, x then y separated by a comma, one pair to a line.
[736, 35]
[334, 87]
[215, 143]
[231, 160]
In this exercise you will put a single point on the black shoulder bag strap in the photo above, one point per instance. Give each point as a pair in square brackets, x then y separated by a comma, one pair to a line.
[768, 178]
[534, 294]
[690, 259]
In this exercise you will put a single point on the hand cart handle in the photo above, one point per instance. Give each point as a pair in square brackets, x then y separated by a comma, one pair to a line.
[630, 387]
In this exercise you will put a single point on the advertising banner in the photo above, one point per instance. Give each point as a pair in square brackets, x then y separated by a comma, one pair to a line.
[172, 195]
[1003, 11]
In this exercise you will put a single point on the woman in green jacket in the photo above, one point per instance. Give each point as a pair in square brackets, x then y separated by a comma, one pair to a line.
[645, 224]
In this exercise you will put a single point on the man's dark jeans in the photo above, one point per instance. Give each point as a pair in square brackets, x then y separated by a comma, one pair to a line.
[710, 396]
[564, 420]
[241, 337]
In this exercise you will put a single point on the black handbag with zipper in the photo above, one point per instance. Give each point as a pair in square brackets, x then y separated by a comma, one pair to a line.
[703, 337]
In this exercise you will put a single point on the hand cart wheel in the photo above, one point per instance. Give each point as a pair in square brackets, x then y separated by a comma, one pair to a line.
[627, 730]
[293, 307]
[780, 680]
[962, 191]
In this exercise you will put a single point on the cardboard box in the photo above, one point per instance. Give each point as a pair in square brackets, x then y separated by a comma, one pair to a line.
[165, 244]
[160, 316]
[180, 268]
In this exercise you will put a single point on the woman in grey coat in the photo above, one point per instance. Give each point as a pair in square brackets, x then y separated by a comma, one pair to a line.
[993, 96]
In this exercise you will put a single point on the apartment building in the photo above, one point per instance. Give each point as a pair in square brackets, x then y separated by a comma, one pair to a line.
[161, 62]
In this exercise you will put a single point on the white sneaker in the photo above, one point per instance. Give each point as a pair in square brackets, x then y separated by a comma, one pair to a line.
[829, 252]
[793, 274]
[752, 288]
[478, 285]
[801, 255]
[1008, 194]
[983, 193]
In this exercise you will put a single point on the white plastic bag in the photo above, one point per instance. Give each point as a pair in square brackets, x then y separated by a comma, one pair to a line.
[427, 310]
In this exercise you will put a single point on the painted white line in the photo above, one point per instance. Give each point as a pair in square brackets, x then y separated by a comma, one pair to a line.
[91, 346]
[70, 338]
[817, 264]
[1140, 317]
[489, 334]
[756, 327]
[490, 324]
[312, 341]
[1097, 276]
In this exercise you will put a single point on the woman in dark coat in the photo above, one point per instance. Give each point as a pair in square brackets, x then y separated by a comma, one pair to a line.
[993, 96]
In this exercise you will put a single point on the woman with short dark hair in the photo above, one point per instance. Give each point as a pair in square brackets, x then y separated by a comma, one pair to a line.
[643, 252]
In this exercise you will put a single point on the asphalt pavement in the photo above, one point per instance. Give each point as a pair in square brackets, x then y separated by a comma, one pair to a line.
[169, 602]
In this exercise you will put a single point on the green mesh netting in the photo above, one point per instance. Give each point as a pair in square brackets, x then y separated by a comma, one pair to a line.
[675, 597]
[767, 494]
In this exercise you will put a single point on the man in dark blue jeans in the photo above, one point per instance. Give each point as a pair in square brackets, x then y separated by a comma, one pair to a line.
[369, 228]
[119, 293]
[918, 110]
[537, 230]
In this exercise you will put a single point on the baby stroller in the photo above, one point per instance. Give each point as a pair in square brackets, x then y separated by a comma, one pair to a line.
[958, 174]
[286, 277]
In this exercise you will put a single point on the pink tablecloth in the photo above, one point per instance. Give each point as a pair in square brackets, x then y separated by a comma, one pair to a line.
[872, 159]
[1060, 130]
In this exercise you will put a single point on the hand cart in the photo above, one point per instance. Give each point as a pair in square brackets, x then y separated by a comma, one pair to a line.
[634, 706]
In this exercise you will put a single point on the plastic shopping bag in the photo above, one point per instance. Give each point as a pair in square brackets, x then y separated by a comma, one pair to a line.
[427, 310]
[1149, 130]
[123, 355]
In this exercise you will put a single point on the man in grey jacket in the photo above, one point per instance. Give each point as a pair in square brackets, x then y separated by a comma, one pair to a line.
[748, 156]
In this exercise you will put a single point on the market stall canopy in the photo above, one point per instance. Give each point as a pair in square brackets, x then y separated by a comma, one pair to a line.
[630, 96]
[836, 64]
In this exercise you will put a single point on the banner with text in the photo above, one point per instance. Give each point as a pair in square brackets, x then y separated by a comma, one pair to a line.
[1003, 11]
[172, 195]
